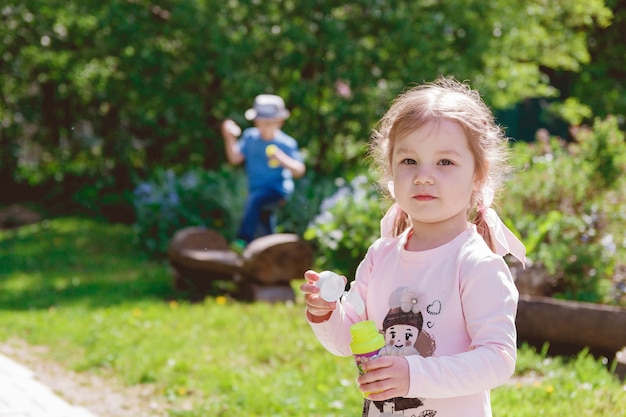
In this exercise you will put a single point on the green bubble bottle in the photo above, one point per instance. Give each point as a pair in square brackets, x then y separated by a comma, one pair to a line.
[367, 343]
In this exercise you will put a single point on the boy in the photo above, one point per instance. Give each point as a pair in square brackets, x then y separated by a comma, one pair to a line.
[272, 160]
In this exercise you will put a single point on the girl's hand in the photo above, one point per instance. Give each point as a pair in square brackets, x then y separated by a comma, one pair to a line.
[385, 377]
[317, 309]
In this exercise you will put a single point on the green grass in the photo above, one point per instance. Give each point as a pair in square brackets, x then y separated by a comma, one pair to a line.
[83, 289]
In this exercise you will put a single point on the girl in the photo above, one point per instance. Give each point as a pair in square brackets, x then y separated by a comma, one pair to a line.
[435, 283]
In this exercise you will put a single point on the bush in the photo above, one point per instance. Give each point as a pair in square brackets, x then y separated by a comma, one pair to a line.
[167, 203]
[566, 199]
[348, 223]
[304, 205]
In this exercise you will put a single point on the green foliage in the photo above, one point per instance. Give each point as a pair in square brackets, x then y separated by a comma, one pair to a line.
[304, 204]
[82, 289]
[567, 202]
[168, 202]
[94, 94]
[600, 84]
[572, 111]
[348, 223]
[118, 88]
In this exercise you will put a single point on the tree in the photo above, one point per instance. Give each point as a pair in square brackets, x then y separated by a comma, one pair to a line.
[93, 94]
[600, 84]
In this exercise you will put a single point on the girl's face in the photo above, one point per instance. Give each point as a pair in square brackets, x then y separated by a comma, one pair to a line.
[433, 177]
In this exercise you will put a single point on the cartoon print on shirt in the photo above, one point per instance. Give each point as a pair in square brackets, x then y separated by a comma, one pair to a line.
[403, 328]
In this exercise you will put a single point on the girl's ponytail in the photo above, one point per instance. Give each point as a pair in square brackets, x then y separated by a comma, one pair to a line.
[401, 223]
[498, 237]
[394, 222]
[483, 227]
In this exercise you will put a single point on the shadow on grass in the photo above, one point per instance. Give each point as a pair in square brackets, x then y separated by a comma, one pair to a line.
[77, 261]
[93, 295]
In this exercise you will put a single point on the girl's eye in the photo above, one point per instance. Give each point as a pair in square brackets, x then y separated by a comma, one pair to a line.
[408, 161]
[446, 162]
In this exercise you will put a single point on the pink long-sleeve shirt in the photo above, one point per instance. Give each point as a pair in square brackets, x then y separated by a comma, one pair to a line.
[451, 309]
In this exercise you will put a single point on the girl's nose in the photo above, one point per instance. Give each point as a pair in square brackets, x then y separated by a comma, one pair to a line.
[423, 175]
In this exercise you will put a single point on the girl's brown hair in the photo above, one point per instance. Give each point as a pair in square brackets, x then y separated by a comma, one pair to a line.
[446, 98]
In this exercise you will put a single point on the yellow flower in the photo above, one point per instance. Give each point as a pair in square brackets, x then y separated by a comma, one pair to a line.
[221, 300]
[173, 304]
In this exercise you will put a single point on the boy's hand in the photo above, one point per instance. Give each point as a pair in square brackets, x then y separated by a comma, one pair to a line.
[385, 377]
[317, 309]
[229, 127]
[273, 153]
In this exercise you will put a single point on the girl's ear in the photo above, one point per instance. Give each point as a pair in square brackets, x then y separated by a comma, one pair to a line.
[391, 189]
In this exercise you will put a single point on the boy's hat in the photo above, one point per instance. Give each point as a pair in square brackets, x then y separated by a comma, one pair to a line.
[267, 106]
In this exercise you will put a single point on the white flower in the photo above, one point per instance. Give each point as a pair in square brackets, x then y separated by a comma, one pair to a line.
[409, 302]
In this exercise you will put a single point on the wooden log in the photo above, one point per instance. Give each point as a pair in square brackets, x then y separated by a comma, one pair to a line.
[577, 325]
[217, 262]
[200, 256]
[197, 237]
[203, 249]
[249, 291]
[277, 259]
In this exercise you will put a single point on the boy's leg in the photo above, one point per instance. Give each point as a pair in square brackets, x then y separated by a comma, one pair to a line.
[252, 211]
[267, 225]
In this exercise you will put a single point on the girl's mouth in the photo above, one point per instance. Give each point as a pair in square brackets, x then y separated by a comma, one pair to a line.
[423, 197]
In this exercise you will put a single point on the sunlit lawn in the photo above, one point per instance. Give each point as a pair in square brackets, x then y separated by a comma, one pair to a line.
[83, 289]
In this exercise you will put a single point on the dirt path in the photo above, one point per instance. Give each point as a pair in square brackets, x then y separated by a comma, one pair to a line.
[103, 397]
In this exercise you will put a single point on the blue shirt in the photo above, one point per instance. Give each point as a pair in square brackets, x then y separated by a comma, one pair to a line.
[260, 174]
